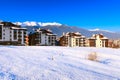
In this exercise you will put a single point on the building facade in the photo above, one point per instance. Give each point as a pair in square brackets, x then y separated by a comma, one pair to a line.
[72, 39]
[97, 40]
[114, 43]
[42, 37]
[11, 34]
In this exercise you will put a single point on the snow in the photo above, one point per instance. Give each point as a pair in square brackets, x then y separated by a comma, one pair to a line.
[58, 63]
[34, 23]
[97, 29]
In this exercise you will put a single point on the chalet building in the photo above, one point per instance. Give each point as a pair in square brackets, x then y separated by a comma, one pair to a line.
[97, 40]
[11, 34]
[72, 39]
[42, 37]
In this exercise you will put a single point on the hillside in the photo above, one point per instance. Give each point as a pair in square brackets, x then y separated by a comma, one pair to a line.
[64, 28]
[58, 63]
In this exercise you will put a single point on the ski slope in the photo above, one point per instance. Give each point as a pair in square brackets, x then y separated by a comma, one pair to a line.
[58, 63]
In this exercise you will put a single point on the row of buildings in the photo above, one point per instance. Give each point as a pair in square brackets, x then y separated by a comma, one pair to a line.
[76, 39]
[11, 34]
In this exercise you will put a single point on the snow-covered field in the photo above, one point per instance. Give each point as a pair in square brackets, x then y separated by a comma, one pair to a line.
[58, 63]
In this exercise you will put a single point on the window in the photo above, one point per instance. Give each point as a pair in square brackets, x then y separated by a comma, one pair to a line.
[4, 30]
[49, 40]
[24, 32]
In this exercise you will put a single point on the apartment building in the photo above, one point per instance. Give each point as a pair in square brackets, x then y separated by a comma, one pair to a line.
[11, 34]
[97, 40]
[42, 37]
[72, 39]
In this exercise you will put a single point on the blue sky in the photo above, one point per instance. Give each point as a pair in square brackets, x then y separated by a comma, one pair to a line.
[89, 14]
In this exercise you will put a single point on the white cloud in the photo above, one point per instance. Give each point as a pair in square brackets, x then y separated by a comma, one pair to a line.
[33, 23]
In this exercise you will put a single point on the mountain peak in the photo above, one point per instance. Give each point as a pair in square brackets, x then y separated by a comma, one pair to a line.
[42, 24]
[97, 29]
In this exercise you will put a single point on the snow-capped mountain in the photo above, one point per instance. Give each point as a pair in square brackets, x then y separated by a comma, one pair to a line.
[33, 23]
[58, 29]
[97, 29]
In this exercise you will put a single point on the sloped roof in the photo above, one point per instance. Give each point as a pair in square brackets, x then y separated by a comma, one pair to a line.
[73, 34]
[9, 24]
[18, 28]
[44, 31]
[100, 36]
[104, 38]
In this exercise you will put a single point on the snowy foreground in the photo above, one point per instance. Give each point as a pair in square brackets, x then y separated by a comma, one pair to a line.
[58, 63]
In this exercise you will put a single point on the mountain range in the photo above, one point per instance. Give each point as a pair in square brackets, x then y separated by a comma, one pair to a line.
[59, 29]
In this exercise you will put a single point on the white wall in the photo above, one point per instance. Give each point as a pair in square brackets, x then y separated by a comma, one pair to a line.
[98, 41]
[43, 39]
[6, 34]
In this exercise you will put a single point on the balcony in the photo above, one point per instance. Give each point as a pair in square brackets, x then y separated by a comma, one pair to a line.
[19, 40]
[25, 36]
[19, 32]
[19, 36]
